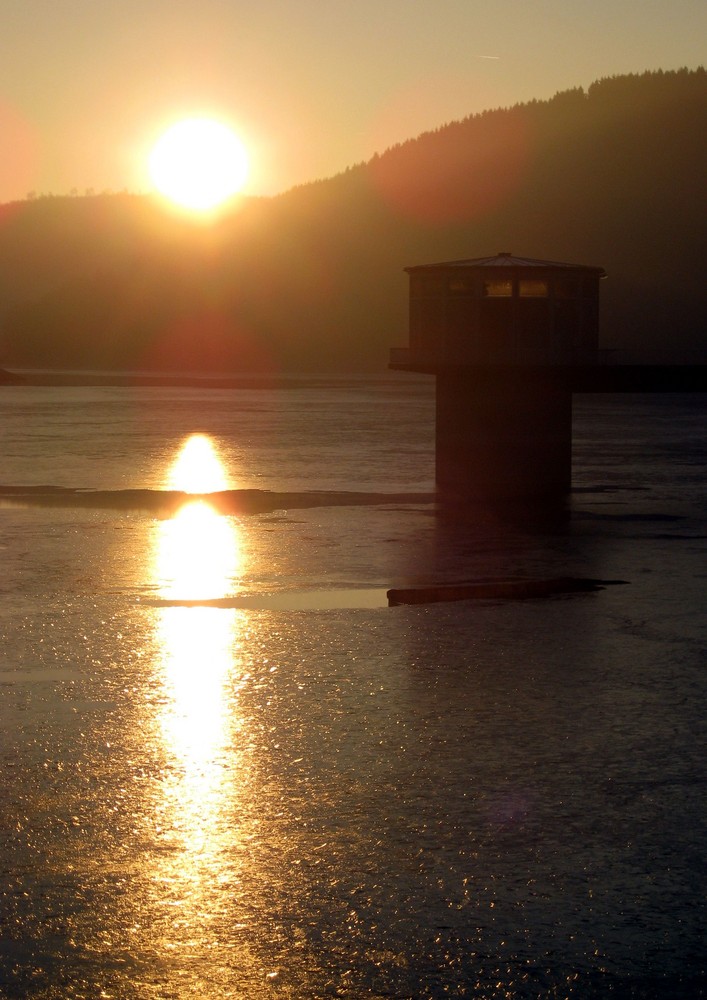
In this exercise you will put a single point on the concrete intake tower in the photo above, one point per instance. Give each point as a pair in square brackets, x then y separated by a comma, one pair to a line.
[510, 339]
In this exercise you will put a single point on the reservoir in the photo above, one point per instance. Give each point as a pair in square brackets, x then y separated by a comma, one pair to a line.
[230, 769]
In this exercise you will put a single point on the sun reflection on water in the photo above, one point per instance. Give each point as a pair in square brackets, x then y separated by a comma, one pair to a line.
[197, 468]
[199, 554]
[199, 646]
[198, 557]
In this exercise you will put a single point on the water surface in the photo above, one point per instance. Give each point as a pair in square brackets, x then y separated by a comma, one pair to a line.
[215, 784]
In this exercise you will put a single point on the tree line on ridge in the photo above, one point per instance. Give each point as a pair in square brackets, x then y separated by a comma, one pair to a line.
[312, 279]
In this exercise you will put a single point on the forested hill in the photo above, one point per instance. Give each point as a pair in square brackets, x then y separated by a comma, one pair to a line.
[312, 279]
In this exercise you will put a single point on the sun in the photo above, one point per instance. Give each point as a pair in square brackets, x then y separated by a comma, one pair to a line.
[198, 163]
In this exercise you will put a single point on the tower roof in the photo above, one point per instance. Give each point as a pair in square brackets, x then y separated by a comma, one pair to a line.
[506, 260]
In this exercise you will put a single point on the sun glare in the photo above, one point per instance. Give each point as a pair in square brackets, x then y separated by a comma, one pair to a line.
[199, 164]
[198, 552]
[197, 468]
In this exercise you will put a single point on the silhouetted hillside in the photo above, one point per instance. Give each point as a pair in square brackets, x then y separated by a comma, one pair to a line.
[312, 279]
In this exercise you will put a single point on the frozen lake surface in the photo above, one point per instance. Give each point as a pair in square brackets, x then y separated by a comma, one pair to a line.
[229, 770]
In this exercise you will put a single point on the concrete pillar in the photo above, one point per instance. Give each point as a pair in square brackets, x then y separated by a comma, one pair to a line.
[503, 433]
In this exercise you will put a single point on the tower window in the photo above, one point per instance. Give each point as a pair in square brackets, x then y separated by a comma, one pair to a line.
[498, 289]
[531, 288]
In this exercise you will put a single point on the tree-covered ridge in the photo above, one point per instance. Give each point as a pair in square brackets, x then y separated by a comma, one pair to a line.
[312, 279]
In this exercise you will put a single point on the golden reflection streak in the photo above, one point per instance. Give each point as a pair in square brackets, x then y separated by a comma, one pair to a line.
[197, 556]
[197, 468]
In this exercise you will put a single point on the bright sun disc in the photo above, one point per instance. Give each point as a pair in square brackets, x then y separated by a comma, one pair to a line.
[198, 163]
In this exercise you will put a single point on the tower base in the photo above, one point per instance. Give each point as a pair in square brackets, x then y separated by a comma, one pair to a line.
[503, 434]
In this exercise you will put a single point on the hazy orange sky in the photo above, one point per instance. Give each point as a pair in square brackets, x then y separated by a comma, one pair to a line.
[312, 86]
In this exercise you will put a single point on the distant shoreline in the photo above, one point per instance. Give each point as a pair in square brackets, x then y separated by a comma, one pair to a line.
[41, 377]
[255, 380]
